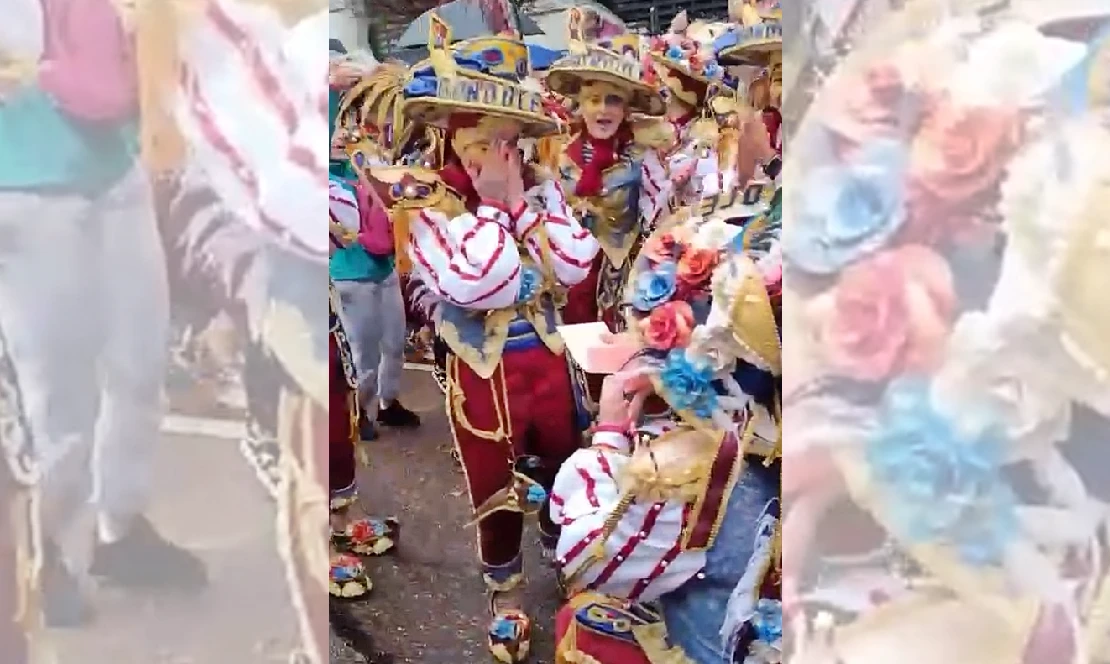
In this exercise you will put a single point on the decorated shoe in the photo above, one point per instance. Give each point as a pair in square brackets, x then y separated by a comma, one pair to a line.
[348, 579]
[371, 537]
[509, 637]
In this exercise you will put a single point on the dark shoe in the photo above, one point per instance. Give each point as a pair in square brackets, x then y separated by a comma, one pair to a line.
[366, 430]
[144, 559]
[63, 604]
[396, 415]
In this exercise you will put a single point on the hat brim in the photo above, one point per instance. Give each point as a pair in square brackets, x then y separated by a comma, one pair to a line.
[437, 112]
[568, 81]
[679, 69]
[755, 52]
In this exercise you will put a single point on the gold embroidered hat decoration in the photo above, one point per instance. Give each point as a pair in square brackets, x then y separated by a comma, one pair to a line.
[487, 76]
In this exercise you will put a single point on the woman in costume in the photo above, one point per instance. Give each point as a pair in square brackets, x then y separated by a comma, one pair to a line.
[495, 276]
[669, 520]
[608, 166]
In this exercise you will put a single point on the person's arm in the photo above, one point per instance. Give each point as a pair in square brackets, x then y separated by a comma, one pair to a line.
[567, 246]
[641, 558]
[470, 261]
[656, 188]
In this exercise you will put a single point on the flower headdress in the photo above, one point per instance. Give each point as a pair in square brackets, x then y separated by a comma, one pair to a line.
[685, 64]
[701, 308]
[944, 249]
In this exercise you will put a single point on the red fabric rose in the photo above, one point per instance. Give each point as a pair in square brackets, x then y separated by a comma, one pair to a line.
[889, 314]
[669, 326]
[696, 267]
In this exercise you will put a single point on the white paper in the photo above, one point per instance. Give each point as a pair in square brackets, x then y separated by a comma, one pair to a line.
[579, 339]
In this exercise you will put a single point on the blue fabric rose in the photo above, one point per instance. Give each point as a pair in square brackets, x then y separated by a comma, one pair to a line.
[848, 210]
[654, 287]
[535, 494]
[767, 620]
[503, 629]
[688, 385]
[530, 280]
[944, 487]
[674, 53]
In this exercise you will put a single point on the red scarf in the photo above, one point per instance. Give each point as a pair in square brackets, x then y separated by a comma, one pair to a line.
[606, 154]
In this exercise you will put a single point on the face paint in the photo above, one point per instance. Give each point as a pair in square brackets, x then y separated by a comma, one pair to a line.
[604, 107]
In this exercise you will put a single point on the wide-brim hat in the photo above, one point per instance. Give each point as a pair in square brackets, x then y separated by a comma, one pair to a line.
[757, 44]
[600, 65]
[487, 76]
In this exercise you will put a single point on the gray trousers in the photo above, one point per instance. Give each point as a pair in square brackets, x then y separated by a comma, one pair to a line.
[373, 316]
[84, 305]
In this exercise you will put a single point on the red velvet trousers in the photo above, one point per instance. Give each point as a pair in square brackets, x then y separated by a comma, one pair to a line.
[341, 435]
[13, 638]
[581, 306]
[526, 408]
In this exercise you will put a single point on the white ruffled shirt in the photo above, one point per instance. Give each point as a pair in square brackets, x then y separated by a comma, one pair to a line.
[643, 558]
[253, 109]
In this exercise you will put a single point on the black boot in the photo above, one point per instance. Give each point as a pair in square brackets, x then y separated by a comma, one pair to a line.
[143, 559]
[396, 415]
[63, 603]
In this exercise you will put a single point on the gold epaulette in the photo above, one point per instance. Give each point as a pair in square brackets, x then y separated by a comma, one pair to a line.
[673, 466]
[655, 133]
[549, 150]
[406, 191]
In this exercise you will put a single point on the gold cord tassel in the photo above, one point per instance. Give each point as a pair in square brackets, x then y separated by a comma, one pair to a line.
[157, 27]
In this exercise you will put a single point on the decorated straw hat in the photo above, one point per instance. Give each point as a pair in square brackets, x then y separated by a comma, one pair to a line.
[703, 312]
[488, 76]
[756, 39]
[685, 63]
[614, 60]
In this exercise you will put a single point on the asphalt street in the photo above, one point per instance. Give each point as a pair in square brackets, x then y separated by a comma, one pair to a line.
[427, 606]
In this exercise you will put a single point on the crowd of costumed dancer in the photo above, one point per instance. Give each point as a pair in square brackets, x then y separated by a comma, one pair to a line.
[633, 183]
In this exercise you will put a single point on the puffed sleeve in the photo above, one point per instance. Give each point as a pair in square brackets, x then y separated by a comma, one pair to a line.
[470, 261]
[707, 178]
[656, 188]
[641, 558]
[572, 246]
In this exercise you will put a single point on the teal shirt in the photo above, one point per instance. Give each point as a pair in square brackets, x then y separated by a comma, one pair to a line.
[42, 148]
[354, 263]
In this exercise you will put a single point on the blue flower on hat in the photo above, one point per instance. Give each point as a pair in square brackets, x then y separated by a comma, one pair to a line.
[767, 620]
[848, 210]
[674, 53]
[944, 486]
[688, 385]
[654, 287]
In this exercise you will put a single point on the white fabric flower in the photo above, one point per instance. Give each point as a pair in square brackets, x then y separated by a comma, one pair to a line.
[1023, 65]
[981, 385]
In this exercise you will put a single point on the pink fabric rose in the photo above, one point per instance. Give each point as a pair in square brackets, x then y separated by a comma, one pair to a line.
[867, 107]
[956, 167]
[669, 326]
[660, 248]
[889, 314]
